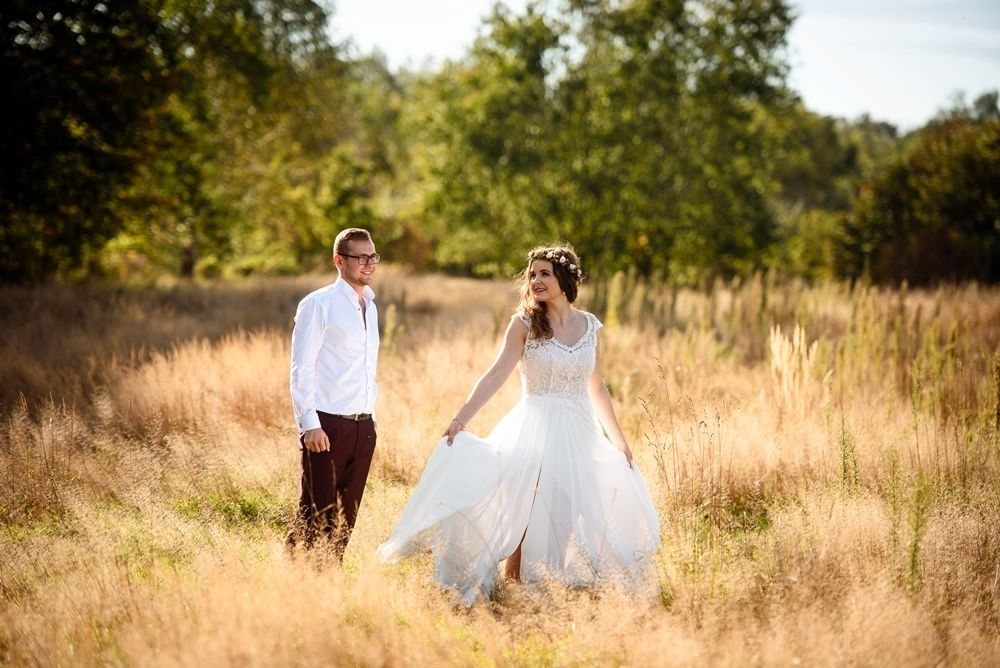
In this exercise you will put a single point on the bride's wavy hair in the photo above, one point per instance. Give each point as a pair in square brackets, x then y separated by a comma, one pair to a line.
[568, 272]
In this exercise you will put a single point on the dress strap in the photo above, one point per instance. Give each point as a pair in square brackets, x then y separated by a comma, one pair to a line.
[594, 322]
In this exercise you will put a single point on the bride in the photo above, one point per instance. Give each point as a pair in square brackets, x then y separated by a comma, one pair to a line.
[548, 490]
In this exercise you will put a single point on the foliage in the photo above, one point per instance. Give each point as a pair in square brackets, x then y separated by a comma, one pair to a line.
[79, 86]
[175, 137]
[629, 129]
[934, 214]
[188, 132]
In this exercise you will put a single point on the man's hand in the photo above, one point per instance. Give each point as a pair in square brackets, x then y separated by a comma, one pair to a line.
[315, 440]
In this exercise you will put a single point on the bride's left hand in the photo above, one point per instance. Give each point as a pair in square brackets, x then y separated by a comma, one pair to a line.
[628, 456]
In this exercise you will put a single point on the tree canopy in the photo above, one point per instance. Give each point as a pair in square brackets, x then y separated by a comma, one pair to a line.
[234, 137]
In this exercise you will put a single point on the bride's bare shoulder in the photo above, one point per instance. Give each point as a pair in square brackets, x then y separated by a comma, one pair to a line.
[519, 322]
[590, 317]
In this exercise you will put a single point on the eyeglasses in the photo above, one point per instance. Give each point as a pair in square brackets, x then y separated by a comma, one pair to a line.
[363, 260]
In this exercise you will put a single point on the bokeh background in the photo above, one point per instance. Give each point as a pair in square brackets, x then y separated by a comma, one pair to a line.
[169, 137]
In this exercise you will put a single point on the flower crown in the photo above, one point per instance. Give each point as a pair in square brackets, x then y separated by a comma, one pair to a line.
[560, 256]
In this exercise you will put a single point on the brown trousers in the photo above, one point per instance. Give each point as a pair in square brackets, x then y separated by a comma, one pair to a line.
[333, 483]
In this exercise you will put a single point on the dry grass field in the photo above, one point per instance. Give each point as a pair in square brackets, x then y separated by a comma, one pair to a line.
[825, 462]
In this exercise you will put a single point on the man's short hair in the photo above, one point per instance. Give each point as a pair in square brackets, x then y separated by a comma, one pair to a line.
[350, 234]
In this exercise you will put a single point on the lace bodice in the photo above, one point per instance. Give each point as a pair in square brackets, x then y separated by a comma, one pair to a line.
[550, 367]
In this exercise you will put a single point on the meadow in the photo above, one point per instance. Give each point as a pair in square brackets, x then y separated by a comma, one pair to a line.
[825, 460]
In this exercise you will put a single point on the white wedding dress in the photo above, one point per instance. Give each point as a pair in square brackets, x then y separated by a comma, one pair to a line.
[546, 472]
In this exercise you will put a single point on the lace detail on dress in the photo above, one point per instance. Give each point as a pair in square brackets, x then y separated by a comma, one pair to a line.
[550, 367]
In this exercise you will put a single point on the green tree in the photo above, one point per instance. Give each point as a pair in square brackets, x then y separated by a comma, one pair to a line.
[630, 129]
[181, 131]
[818, 163]
[244, 135]
[481, 128]
[935, 214]
[80, 83]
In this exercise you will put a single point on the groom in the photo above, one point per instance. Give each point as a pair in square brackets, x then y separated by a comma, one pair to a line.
[334, 352]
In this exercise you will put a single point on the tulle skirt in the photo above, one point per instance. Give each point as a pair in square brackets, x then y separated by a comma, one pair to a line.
[547, 474]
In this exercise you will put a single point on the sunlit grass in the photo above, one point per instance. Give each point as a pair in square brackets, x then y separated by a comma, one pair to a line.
[828, 497]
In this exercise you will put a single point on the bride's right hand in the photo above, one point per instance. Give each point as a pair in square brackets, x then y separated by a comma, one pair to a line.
[452, 431]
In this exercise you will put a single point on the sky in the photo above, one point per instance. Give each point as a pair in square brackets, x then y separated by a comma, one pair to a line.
[899, 60]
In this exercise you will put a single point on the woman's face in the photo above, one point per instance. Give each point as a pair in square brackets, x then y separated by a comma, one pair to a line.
[542, 281]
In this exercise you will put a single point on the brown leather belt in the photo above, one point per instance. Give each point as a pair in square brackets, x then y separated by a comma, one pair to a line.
[356, 417]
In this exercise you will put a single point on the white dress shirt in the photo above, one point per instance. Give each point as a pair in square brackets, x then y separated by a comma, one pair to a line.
[334, 353]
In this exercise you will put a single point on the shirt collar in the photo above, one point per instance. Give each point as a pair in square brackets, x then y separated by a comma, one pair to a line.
[343, 286]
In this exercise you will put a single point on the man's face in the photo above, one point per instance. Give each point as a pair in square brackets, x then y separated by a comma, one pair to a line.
[351, 268]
